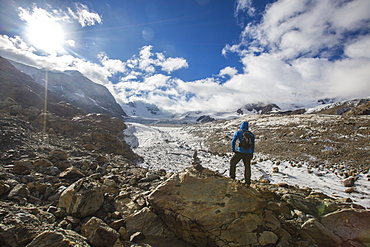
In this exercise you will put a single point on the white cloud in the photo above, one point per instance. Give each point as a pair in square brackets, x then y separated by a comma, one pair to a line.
[93, 71]
[349, 78]
[84, 16]
[294, 54]
[146, 61]
[112, 65]
[293, 28]
[149, 62]
[17, 50]
[297, 27]
[172, 64]
[140, 76]
[243, 6]
[14, 44]
[42, 15]
[230, 71]
[359, 48]
[351, 15]
[70, 43]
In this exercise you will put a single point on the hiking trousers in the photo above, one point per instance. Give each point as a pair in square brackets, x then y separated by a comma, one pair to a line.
[246, 157]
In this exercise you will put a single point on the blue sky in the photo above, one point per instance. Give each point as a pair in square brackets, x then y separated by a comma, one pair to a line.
[209, 55]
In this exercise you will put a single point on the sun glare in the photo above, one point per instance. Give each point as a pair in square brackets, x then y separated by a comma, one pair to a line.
[46, 36]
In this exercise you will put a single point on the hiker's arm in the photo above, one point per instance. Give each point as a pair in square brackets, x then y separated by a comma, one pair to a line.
[253, 140]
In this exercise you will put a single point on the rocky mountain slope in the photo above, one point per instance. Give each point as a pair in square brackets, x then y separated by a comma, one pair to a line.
[23, 89]
[346, 107]
[74, 88]
[74, 182]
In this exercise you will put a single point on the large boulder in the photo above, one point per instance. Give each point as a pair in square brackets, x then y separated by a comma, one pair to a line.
[18, 229]
[4, 187]
[98, 233]
[148, 223]
[20, 224]
[20, 192]
[82, 198]
[349, 225]
[60, 237]
[320, 234]
[207, 209]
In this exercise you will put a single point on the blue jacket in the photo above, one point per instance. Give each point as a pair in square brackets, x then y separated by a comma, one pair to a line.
[239, 136]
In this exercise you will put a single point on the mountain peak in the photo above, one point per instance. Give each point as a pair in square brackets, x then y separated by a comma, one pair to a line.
[73, 87]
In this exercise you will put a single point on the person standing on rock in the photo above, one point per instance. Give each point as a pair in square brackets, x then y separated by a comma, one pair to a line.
[243, 152]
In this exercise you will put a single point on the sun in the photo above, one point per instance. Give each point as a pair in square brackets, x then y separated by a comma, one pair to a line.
[48, 36]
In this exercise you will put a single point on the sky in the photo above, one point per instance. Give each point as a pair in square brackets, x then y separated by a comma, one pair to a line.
[191, 55]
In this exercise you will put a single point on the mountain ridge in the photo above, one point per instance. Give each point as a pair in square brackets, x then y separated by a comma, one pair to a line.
[93, 97]
[71, 86]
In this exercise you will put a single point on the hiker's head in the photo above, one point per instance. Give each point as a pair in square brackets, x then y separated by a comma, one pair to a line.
[244, 126]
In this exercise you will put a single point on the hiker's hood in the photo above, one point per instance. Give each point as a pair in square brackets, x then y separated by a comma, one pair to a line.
[244, 126]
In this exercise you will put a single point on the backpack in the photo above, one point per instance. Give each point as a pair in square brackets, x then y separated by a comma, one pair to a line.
[247, 140]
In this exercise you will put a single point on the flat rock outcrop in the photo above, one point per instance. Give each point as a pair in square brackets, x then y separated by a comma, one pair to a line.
[207, 209]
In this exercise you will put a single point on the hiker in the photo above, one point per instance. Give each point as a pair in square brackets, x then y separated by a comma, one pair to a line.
[243, 152]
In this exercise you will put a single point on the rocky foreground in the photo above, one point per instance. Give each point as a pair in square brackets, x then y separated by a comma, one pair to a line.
[73, 181]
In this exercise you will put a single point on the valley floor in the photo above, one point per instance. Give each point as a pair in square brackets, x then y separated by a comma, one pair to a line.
[172, 147]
